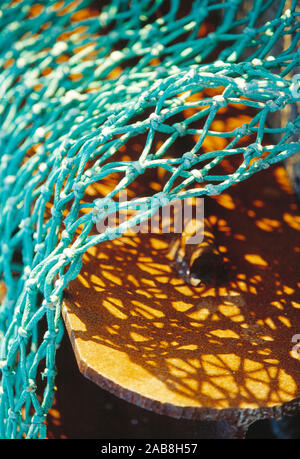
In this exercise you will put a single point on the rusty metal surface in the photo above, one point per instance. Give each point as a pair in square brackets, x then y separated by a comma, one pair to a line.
[222, 352]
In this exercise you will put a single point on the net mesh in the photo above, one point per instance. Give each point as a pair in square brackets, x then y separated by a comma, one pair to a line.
[79, 82]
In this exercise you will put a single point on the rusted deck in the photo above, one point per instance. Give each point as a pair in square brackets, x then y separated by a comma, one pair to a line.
[210, 353]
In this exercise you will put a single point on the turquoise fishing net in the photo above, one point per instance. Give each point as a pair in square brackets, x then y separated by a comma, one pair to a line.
[81, 80]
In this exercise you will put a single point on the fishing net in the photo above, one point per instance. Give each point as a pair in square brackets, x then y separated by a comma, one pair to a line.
[79, 82]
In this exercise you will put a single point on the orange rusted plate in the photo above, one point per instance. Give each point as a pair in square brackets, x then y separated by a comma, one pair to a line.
[222, 351]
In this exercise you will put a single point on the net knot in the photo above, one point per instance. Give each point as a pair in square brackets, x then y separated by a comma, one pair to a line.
[31, 386]
[69, 254]
[240, 82]
[56, 213]
[189, 159]
[211, 37]
[45, 192]
[49, 373]
[160, 199]
[64, 146]
[148, 31]
[157, 48]
[112, 233]
[43, 167]
[198, 175]
[292, 128]
[135, 168]
[245, 67]
[39, 247]
[249, 31]
[50, 336]
[155, 120]
[79, 188]
[256, 62]
[12, 415]
[219, 101]
[275, 105]
[113, 35]
[49, 305]
[142, 100]
[243, 130]
[255, 149]
[59, 283]
[192, 76]
[67, 163]
[65, 236]
[116, 56]
[31, 285]
[161, 71]
[106, 134]
[25, 224]
[287, 17]
[23, 333]
[180, 129]
[27, 271]
[103, 207]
